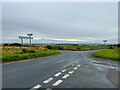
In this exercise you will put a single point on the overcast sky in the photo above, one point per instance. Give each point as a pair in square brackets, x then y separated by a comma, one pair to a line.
[77, 22]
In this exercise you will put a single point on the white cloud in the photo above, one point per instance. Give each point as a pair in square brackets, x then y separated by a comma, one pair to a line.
[66, 39]
[57, 39]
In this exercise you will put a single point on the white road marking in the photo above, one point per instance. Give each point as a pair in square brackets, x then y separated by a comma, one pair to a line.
[56, 75]
[70, 72]
[78, 65]
[48, 89]
[65, 76]
[48, 80]
[36, 87]
[63, 70]
[75, 68]
[57, 83]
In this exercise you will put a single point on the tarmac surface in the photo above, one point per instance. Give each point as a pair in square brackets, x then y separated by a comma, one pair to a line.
[71, 69]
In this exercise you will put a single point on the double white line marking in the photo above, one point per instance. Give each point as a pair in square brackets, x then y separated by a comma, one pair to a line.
[78, 65]
[75, 68]
[56, 75]
[70, 72]
[65, 76]
[64, 70]
[57, 83]
[48, 80]
[36, 87]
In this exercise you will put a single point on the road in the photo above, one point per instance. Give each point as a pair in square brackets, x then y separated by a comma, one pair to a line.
[71, 69]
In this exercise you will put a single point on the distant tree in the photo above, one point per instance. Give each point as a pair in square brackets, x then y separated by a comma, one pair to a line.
[75, 44]
[118, 45]
[15, 44]
[78, 47]
[57, 47]
[26, 45]
[110, 47]
[48, 47]
[60, 48]
[6, 44]
[114, 45]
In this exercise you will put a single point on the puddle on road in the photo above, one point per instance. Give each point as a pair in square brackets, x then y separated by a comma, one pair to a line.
[102, 66]
[101, 63]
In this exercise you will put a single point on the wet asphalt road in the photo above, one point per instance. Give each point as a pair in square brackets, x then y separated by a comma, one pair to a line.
[89, 73]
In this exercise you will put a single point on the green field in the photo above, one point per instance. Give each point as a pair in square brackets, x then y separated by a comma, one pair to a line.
[77, 47]
[109, 54]
[16, 54]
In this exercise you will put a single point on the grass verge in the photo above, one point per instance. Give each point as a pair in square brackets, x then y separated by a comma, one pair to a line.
[24, 56]
[109, 54]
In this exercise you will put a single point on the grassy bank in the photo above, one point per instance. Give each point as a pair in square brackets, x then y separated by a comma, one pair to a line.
[109, 54]
[9, 57]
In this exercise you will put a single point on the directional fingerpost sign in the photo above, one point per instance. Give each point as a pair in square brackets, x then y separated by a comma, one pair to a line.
[30, 38]
[25, 37]
[105, 41]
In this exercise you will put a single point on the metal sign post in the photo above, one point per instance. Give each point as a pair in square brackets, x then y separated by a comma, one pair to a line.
[105, 41]
[22, 42]
[24, 37]
[30, 38]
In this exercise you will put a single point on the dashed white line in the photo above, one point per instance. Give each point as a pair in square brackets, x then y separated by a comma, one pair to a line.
[75, 68]
[56, 75]
[48, 89]
[48, 80]
[64, 70]
[78, 65]
[72, 64]
[57, 83]
[65, 76]
[70, 72]
[36, 87]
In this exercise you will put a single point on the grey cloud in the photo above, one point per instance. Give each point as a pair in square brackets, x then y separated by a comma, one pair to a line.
[87, 21]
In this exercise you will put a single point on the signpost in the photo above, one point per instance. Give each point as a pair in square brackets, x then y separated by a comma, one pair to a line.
[24, 37]
[105, 41]
[30, 38]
